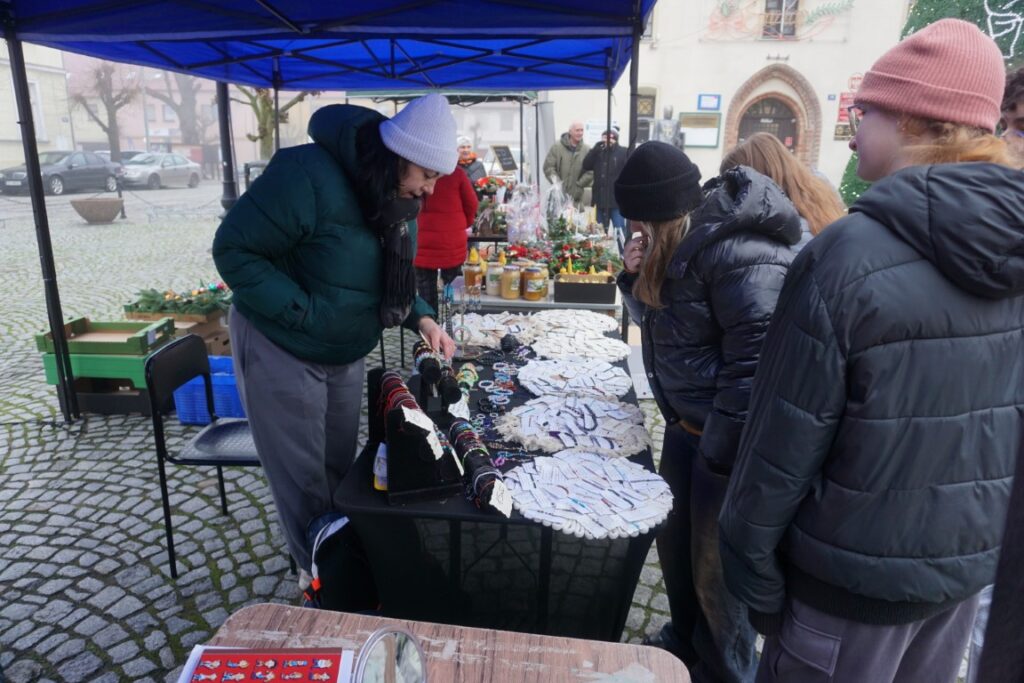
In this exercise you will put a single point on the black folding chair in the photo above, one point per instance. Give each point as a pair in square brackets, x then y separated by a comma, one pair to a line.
[224, 442]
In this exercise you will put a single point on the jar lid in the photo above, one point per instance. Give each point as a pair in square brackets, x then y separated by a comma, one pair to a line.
[510, 268]
[533, 269]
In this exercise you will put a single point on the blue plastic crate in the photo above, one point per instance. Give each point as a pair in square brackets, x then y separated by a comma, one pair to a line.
[190, 398]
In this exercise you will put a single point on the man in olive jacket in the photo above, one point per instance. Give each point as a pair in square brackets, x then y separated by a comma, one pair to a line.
[565, 162]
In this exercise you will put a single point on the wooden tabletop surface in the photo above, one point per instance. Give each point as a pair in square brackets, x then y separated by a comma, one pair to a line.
[457, 653]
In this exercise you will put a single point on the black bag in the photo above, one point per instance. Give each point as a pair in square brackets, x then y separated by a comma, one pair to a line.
[342, 579]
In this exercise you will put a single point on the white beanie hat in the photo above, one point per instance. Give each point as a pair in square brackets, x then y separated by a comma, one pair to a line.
[424, 132]
[465, 141]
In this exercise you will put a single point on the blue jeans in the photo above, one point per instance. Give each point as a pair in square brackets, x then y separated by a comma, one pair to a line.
[723, 637]
[613, 215]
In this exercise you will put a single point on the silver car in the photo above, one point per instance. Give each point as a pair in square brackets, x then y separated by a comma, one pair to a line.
[158, 169]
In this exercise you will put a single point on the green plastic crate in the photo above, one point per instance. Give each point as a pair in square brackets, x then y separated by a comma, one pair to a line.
[119, 337]
[100, 366]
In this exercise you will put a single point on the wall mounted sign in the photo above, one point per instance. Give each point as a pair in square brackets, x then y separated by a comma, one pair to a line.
[701, 128]
[709, 102]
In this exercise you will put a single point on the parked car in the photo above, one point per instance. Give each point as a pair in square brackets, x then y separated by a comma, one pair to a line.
[63, 172]
[157, 169]
[126, 154]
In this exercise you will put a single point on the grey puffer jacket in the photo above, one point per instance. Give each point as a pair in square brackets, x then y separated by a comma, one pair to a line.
[888, 410]
[701, 349]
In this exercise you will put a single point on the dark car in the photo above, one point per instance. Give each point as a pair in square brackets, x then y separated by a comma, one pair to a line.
[126, 154]
[63, 172]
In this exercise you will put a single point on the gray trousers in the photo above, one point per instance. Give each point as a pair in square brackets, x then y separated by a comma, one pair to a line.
[814, 647]
[305, 424]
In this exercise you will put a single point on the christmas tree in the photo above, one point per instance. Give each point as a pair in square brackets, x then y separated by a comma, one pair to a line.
[1003, 20]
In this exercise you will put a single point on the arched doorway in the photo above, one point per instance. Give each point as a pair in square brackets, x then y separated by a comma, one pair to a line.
[786, 85]
[771, 115]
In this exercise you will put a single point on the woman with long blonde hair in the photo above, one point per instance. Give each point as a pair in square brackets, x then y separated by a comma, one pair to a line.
[702, 280]
[815, 200]
[866, 510]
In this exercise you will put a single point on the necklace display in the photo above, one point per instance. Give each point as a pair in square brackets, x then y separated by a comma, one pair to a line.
[551, 423]
[592, 377]
[581, 344]
[589, 496]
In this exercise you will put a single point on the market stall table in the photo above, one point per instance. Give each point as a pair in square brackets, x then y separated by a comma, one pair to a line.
[455, 654]
[451, 562]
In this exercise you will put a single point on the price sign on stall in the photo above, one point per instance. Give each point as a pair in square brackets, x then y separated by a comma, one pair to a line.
[505, 158]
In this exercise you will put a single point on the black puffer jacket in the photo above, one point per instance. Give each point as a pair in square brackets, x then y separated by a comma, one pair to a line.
[701, 350]
[606, 165]
[888, 410]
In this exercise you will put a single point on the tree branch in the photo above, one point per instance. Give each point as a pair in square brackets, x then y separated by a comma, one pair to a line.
[81, 102]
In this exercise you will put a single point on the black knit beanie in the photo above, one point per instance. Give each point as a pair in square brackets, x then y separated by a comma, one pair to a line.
[658, 183]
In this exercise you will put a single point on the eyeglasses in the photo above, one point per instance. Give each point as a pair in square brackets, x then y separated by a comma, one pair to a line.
[855, 115]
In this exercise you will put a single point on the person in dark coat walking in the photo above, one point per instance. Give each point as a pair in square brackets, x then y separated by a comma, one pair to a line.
[605, 161]
[702, 281]
[866, 507]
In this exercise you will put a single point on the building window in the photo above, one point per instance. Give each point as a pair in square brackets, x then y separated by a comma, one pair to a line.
[780, 19]
[37, 110]
[169, 113]
[151, 112]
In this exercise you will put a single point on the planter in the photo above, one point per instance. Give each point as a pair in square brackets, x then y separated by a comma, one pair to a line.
[98, 210]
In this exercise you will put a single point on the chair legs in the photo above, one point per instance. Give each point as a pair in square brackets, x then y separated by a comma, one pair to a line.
[167, 518]
[220, 484]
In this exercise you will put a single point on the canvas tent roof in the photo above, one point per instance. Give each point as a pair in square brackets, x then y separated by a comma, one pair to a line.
[504, 45]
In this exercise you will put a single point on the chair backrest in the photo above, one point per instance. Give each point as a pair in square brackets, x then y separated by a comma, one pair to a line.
[171, 366]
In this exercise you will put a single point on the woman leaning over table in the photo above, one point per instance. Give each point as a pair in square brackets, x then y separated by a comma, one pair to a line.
[319, 256]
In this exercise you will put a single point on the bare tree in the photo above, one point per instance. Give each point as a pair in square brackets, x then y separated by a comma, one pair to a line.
[261, 100]
[114, 93]
[184, 105]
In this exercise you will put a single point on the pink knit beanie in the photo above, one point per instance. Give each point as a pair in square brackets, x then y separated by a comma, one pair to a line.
[949, 71]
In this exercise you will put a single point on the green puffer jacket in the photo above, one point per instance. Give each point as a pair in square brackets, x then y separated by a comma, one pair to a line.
[565, 162]
[302, 264]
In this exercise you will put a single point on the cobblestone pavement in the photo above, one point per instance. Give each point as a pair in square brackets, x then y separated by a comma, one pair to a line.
[85, 591]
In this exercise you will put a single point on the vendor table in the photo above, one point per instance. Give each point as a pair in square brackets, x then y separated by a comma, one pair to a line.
[451, 562]
[454, 654]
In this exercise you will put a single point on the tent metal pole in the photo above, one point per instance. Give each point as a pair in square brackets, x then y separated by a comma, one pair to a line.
[230, 189]
[277, 104]
[634, 101]
[634, 75]
[537, 172]
[522, 171]
[65, 376]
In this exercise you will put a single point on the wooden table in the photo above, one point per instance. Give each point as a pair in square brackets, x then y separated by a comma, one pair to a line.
[456, 653]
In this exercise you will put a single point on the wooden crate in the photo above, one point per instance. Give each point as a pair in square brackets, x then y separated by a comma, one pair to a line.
[218, 344]
[119, 337]
[212, 317]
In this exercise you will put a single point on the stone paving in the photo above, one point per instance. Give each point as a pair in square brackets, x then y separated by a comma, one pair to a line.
[85, 589]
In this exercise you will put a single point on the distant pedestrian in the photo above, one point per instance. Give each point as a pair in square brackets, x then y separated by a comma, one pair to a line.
[565, 162]
[605, 161]
[468, 161]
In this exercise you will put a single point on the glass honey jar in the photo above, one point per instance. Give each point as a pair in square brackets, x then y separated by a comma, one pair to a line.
[510, 282]
[535, 283]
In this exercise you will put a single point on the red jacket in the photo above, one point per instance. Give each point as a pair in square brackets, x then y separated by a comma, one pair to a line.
[442, 222]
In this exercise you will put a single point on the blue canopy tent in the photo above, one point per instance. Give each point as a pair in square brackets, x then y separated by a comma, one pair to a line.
[483, 45]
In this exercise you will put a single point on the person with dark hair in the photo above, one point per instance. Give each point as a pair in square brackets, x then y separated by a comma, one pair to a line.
[605, 160]
[866, 509]
[1012, 114]
[319, 256]
[702, 281]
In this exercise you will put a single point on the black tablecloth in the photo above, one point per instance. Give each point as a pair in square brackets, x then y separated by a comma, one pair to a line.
[448, 561]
